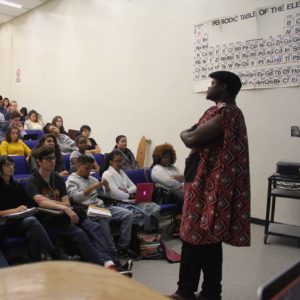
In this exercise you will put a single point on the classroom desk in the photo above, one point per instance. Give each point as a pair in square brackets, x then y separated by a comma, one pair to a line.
[69, 280]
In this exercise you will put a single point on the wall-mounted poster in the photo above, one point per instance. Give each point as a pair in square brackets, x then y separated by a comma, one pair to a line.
[262, 46]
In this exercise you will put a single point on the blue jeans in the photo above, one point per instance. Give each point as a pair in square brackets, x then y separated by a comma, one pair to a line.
[125, 217]
[89, 251]
[34, 232]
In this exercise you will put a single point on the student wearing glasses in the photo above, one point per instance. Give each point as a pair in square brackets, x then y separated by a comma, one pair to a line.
[48, 190]
[13, 200]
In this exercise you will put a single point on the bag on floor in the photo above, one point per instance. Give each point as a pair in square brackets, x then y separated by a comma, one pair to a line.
[150, 246]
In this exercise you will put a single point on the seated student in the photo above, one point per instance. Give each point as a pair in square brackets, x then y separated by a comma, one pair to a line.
[13, 107]
[81, 143]
[48, 190]
[82, 188]
[48, 140]
[59, 123]
[92, 146]
[12, 145]
[34, 121]
[14, 120]
[122, 188]
[14, 199]
[166, 175]
[65, 143]
[129, 161]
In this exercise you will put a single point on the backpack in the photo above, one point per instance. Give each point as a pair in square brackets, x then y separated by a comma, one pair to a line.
[150, 246]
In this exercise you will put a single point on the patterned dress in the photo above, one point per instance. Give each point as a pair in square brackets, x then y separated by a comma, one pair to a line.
[217, 202]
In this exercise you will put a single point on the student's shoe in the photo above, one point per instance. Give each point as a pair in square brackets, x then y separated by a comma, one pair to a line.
[125, 253]
[119, 270]
[56, 254]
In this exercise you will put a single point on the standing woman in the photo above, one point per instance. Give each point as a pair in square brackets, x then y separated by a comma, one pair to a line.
[92, 146]
[12, 145]
[59, 123]
[13, 200]
[34, 121]
[50, 141]
[129, 161]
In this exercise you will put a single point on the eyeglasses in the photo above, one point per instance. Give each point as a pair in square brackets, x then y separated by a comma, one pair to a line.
[49, 158]
[118, 160]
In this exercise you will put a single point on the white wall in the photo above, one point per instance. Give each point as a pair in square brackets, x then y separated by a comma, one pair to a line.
[125, 67]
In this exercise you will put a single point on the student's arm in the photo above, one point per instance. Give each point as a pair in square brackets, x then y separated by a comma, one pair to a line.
[159, 175]
[204, 133]
[27, 150]
[7, 212]
[78, 195]
[114, 192]
[131, 187]
[44, 202]
[4, 148]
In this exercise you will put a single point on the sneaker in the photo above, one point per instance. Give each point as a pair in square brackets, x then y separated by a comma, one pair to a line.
[125, 253]
[119, 270]
[56, 254]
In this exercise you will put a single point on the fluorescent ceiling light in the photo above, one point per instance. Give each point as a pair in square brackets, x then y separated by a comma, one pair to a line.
[12, 4]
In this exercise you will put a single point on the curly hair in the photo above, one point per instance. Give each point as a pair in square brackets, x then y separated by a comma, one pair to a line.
[160, 150]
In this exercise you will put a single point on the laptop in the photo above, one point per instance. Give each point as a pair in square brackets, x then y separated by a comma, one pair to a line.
[283, 286]
[144, 192]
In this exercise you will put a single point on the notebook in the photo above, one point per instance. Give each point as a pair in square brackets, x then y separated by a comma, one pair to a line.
[144, 192]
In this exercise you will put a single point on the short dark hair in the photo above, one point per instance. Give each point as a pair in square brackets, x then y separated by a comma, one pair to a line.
[43, 152]
[80, 137]
[83, 127]
[85, 159]
[14, 114]
[232, 81]
[3, 160]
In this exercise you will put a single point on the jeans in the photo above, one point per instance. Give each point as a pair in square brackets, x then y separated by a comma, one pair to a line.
[194, 259]
[73, 233]
[99, 238]
[34, 232]
[125, 217]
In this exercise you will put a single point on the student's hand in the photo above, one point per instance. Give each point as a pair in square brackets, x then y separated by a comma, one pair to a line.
[97, 185]
[124, 190]
[64, 173]
[105, 183]
[21, 208]
[72, 215]
[178, 178]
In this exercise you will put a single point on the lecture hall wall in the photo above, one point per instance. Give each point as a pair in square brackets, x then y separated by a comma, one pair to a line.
[125, 67]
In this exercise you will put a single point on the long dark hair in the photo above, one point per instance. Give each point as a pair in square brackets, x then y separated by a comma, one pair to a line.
[109, 157]
[8, 132]
[62, 128]
[3, 160]
[41, 142]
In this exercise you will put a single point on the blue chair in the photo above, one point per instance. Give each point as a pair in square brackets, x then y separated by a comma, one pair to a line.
[66, 158]
[31, 143]
[21, 167]
[34, 134]
[137, 175]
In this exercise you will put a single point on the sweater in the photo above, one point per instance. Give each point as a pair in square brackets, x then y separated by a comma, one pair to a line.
[15, 148]
[117, 180]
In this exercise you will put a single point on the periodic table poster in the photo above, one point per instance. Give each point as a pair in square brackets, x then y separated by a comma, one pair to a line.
[262, 46]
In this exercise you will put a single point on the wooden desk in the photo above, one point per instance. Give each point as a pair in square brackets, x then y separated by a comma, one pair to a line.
[69, 280]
